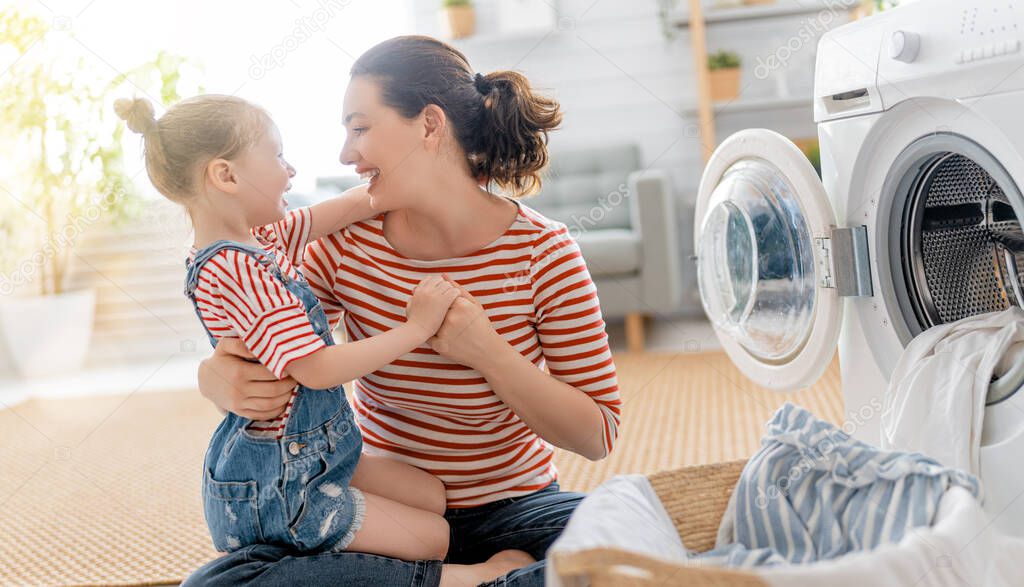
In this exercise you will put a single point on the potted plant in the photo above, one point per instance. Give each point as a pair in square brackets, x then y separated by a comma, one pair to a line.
[667, 15]
[64, 172]
[812, 150]
[869, 7]
[724, 69]
[461, 18]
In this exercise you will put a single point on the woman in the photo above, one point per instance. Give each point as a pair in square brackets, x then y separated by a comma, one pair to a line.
[476, 409]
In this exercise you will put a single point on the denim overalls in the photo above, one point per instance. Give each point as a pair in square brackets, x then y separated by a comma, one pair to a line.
[293, 491]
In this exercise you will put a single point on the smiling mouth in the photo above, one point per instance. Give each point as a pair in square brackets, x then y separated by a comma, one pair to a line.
[370, 174]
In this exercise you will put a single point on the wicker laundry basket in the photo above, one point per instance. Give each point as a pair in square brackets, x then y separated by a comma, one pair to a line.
[695, 498]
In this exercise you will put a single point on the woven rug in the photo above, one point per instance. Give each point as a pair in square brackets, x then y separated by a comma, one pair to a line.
[105, 490]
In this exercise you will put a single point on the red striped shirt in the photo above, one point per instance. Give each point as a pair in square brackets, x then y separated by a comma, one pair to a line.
[443, 417]
[238, 297]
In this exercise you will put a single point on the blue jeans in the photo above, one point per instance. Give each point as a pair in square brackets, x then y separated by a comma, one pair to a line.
[530, 523]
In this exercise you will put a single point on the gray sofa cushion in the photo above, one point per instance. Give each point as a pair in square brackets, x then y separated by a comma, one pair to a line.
[586, 189]
[612, 251]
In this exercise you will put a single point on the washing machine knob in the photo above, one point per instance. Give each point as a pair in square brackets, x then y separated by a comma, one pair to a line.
[903, 46]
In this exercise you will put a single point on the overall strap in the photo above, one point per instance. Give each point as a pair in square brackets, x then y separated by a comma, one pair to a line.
[193, 266]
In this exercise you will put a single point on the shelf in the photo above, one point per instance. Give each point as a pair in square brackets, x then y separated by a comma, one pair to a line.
[533, 37]
[756, 12]
[741, 105]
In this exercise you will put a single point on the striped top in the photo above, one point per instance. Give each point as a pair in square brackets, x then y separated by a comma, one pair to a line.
[443, 417]
[814, 493]
[238, 297]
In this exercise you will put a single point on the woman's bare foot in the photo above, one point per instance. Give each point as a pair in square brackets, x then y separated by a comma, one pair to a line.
[500, 564]
[510, 560]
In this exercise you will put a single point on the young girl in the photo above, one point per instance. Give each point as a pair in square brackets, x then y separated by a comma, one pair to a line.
[288, 481]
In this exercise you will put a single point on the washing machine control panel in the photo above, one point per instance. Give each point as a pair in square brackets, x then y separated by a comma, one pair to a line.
[989, 50]
[987, 31]
[948, 49]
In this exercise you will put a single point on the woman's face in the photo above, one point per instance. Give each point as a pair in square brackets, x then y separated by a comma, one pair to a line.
[386, 148]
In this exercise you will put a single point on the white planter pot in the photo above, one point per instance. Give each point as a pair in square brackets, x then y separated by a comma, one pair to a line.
[48, 335]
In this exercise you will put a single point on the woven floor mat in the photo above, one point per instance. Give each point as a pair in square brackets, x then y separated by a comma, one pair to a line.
[105, 490]
[690, 409]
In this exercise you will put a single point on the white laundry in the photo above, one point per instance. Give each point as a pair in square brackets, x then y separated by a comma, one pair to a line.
[935, 403]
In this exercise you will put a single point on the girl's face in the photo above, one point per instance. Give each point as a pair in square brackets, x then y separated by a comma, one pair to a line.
[386, 148]
[264, 177]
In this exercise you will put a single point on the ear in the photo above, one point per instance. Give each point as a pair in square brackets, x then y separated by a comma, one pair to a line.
[435, 123]
[221, 175]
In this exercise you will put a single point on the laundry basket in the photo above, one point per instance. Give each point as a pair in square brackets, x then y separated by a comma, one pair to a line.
[959, 547]
[695, 498]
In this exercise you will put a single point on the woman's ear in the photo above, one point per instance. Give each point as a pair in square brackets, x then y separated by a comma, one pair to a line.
[435, 124]
[221, 175]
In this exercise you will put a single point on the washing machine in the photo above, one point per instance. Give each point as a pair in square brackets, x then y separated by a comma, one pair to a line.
[915, 220]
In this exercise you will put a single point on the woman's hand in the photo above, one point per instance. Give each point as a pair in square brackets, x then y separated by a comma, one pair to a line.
[558, 412]
[234, 383]
[466, 335]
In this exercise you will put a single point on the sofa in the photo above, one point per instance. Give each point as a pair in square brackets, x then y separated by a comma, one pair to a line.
[624, 219]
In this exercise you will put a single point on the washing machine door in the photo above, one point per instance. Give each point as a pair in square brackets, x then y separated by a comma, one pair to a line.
[763, 236]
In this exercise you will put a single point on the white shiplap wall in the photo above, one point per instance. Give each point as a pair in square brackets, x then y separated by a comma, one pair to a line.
[619, 80]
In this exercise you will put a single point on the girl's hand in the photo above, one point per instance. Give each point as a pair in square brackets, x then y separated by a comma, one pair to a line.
[429, 303]
[466, 335]
[361, 200]
[235, 384]
[334, 214]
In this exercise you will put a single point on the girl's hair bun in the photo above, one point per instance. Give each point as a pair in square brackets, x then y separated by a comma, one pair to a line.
[189, 135]
[138, 113]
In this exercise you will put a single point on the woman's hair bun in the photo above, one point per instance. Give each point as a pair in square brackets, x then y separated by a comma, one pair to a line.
[138, 113]
[500, 122]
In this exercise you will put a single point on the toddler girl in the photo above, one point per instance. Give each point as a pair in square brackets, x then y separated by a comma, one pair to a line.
[288, 481]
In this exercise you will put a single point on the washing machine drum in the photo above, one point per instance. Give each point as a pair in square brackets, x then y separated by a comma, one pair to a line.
[960, 241]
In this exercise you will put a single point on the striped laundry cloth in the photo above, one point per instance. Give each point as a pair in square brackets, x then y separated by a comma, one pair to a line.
[814, 493]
